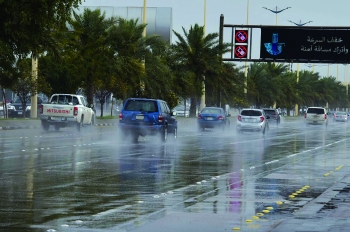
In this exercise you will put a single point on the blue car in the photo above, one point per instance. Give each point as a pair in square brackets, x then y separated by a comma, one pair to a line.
[213, 117]
[142, 117]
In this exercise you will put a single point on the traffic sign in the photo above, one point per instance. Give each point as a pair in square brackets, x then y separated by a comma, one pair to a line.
[241, 36]
[241, 51]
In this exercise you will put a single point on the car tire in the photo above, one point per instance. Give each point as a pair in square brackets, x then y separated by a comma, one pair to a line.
[263, 131]
[164, 134]
[46, 126]
[134, 137]
[80, 124]
[175, 133]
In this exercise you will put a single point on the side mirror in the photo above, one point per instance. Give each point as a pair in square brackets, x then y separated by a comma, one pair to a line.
[267, 117]
[91, 106]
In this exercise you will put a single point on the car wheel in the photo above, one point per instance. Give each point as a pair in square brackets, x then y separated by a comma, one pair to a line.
[80, 124]
[45, 126]
[164, 134]
[134, 137]
[263, 131]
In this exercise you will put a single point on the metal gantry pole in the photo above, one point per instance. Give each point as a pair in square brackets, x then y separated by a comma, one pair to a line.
[203, 81]
[300, 24]
[276, 12]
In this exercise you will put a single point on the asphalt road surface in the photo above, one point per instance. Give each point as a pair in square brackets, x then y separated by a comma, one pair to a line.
[204, 181]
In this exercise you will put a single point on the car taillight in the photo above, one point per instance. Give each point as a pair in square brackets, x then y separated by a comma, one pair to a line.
[41, 109]
[199, 116]
[239, 118]
[325, 116]
[120, 116]
[262, 118]
[160, 118]
[75, 111]
[221, 118]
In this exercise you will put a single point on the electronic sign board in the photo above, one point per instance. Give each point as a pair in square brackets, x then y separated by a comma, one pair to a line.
[305, 44]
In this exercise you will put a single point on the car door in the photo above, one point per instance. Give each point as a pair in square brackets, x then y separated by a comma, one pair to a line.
[167, 113]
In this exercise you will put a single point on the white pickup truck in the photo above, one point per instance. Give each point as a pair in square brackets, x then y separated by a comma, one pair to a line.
[66, 110]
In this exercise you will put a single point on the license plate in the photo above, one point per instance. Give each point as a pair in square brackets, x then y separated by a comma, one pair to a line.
[20, 112]
[140, 117]
[210, 118]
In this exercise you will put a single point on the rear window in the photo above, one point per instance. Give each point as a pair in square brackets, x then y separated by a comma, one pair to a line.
[136, 105]
[210, 111]
[315, 111]
[251, 113]
[270, 111]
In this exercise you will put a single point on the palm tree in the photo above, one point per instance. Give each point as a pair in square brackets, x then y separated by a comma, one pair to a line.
[198, 54]
[90, 42]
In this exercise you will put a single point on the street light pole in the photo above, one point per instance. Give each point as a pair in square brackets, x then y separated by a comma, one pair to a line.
[144, 18]
[300, 24]
[276, 12]
[246, 64]
[202, 105]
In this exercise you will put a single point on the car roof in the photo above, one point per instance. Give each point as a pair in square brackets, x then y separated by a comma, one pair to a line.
[252, 109]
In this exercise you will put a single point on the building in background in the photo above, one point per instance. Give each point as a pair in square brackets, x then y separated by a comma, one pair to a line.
[158, 19]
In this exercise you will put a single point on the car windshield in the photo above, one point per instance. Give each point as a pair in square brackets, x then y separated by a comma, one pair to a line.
[210, 111]
[251, 113]
[18, 100]
[315, 111]
[136, 105]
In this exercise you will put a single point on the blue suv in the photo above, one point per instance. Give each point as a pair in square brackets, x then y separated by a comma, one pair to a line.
[142, 116]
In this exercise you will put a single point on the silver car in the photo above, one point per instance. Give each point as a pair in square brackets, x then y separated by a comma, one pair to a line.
[340, 116]
[252, 120]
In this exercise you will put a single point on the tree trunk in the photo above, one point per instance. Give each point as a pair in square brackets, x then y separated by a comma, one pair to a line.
[193, 107]
[102, 104]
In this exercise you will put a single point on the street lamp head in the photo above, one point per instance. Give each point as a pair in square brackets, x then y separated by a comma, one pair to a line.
[299, 24]
[277, 11]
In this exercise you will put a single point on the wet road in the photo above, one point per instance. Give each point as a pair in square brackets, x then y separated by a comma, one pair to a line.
[96, 181]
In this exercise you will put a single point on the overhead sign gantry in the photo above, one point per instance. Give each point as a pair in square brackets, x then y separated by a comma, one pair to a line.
[307, 44]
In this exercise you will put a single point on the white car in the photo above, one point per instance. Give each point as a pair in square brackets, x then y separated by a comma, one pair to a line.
[181, 112]
[9, 107]
[316, 116]
[252, 120]
[340, 116]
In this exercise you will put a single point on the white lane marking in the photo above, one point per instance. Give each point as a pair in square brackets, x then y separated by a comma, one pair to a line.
[111, 211]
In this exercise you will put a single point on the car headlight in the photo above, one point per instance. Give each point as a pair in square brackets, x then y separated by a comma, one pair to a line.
[28, 108]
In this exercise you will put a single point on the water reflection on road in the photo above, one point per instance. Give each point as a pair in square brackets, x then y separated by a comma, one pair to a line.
[97, 180]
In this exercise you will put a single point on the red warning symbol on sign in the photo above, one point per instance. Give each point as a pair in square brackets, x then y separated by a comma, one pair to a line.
[241, 51]
[241, 36]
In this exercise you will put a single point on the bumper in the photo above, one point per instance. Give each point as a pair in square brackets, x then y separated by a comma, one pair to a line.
[341, 119]
[317, 122]
[210, 124]
[62, 121]
[142, 130]
[250, 126]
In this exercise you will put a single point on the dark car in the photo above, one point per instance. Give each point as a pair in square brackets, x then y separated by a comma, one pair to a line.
[141, 117]
[17, 107]
[212, 117]
[273, 115]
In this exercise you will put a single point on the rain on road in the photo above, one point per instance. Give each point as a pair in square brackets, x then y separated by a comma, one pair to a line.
[96, 181]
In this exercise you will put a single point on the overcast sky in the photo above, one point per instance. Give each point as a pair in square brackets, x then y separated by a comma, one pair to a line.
[186, 13]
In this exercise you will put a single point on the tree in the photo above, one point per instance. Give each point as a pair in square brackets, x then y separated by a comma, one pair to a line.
[198, 54]
[25, 86]
[25, 26]
[91, 45]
